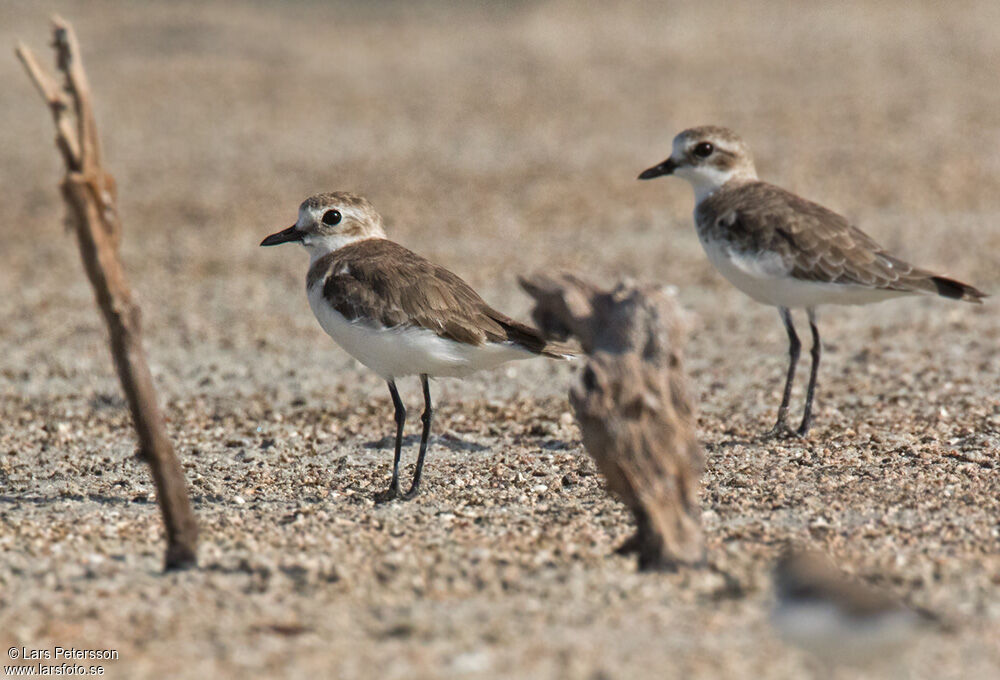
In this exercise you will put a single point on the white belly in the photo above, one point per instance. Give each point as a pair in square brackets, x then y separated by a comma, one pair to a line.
[397, 352]
[766, 279]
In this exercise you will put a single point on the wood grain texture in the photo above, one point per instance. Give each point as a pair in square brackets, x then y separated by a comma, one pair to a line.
[90, 195]
[632, 403]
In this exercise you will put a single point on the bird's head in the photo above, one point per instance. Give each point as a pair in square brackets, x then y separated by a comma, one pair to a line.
[708, 157]
[330, 221]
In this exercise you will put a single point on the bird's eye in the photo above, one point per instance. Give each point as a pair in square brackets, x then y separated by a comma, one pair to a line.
[331, 217]
[704, 150]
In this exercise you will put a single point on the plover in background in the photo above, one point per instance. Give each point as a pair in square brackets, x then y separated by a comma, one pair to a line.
[837, 620]
[785, 251]
[398, 313]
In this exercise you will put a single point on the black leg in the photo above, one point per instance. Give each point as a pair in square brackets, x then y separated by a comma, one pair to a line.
[816, 351]
[397, 403]
[794, 348]
[425, 418]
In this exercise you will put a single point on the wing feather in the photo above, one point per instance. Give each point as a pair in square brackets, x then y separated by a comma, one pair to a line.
[815, 244]
[381, 281]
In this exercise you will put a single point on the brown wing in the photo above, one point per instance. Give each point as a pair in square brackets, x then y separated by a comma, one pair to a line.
[819, 245]
[824, 246]
[383, 281]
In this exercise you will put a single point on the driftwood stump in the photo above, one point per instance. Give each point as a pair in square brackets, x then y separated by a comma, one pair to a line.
[89, 192]
[632, 405]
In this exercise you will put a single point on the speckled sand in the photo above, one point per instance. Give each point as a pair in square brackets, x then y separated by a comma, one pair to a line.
[495, 142]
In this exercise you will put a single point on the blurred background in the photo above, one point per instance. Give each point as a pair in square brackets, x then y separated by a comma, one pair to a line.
[499, 136]
[496, 139]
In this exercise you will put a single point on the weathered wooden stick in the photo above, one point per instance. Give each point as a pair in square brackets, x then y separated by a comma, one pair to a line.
[89, 192]
[632, 405]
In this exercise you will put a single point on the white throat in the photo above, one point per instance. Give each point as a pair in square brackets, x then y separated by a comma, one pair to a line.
[707, 180]
[318, 246]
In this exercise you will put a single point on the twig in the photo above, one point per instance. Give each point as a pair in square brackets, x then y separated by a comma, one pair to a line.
[66, 138]
[89, 192]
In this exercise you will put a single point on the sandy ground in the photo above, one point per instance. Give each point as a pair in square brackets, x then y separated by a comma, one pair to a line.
[495, 141]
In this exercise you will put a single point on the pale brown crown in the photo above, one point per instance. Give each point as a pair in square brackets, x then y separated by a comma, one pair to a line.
[358, 217]
[730, 153]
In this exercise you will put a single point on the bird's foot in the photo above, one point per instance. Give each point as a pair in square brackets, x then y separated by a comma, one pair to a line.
[390, 494]
[393, 494]
[803, 428]
[415, 482]
[781, 431]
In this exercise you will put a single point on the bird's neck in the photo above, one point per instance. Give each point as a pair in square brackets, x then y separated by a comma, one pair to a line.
[706, 184]
[320, 246]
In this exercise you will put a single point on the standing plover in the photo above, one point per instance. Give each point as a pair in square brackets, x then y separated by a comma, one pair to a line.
[396, 312]
[785, 251]
[838, 620]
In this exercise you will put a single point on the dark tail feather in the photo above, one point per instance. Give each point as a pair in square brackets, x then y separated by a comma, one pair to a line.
[956, 290]
[531, 339]
[559, 350]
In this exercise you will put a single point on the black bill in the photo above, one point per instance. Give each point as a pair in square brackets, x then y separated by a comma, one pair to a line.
[289, 235]
[667, 167]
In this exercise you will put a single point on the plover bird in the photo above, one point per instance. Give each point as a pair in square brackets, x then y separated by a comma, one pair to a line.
[785, 251]
[398, 313]
[837, 620]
